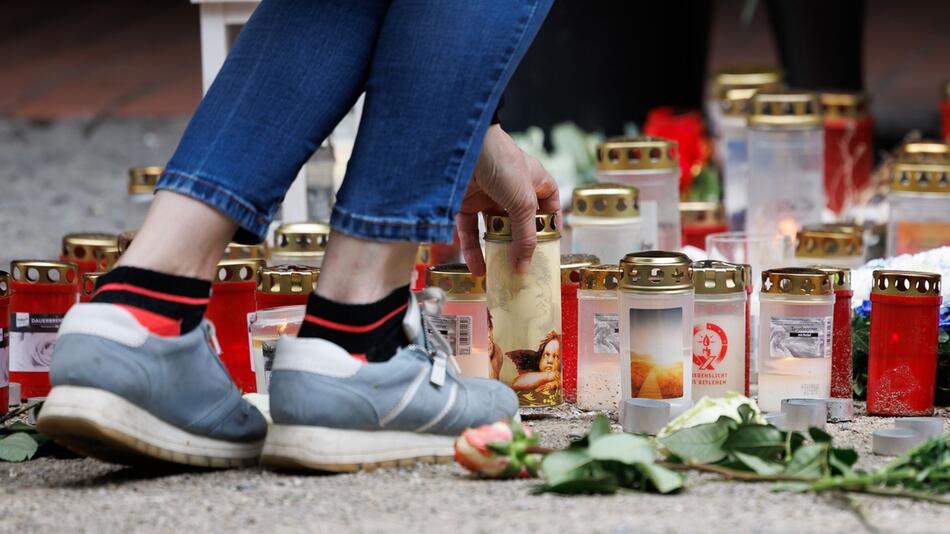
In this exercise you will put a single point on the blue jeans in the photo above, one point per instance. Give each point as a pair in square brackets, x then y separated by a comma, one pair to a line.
[432, 70]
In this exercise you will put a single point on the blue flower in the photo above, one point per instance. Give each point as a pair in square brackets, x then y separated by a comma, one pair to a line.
[864, 310]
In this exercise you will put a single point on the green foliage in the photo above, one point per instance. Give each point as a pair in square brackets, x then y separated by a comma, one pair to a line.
[20, 441]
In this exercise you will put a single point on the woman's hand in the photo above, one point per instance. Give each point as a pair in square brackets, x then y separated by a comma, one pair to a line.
[506, 180]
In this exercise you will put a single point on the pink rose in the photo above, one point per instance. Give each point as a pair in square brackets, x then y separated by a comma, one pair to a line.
[498, 450]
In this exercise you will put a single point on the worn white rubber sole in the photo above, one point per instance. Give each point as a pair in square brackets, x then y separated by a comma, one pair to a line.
[103, 425]
[339, 450]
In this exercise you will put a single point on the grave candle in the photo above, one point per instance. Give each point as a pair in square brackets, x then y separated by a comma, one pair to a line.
[841, 364]
[920, 207]
[285, 285]
[240, 251]
[605, 221]
[87, 286]
[464, 319]
[719, 322]
[571, 265]
[834, 244]
[86, 249]
[142, 181]
[700, 219]
[300, 244]
[231, 310]
[849, 150]
[598, 339]
[732, 151]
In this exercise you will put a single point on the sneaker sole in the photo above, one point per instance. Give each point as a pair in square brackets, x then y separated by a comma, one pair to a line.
[103, 425]
[294, 447]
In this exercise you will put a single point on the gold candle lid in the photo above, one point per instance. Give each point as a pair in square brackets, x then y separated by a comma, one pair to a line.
[107, 258]
[923, 151]
[603, 277]
[301, 239]
[86, 246]
[702, 214]
[237, 271]
[656, 270]
[240, 251]
[844, 105]
[455, 279]
[746, 274]
[637, 153]
[796, 281]
[921, 177]
[785, 109]
[287, 279]
[4, 284]
[711, 277]
[840, 276]
[88, 285]
[605, 200]
[821, 241]
[746, 76]
[499, 227]
[424, 254]
[737, 102]
[571, 265]
[906, 283]
[44, 272]
[143, 179]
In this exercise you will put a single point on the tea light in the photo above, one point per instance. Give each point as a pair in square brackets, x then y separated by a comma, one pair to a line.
[840, 410]
[927, 427]
[644, 416]
[802, 414]
[894, 441]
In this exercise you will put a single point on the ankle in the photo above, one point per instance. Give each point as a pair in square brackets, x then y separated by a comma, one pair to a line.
[358, 271]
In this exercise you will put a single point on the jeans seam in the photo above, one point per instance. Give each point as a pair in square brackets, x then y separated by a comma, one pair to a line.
[388, 222]
[177, 179]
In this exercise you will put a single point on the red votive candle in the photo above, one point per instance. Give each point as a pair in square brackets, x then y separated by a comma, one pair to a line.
[285, 285]
[233, 302]
[87, 286]
[41, 294]
[423, 262]
[841, 335]
[4, 342]
[699, 219]
[91, 252]
[848, 147]
[902, 352]
[571, 265]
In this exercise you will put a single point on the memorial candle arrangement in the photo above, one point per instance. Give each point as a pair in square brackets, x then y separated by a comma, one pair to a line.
[786, 162]
[839, 245]
[142, 181]
[902, 346]
[571, 265]
[919, 207]
[598, 339]
[849, 148]
[796, 313]
[231, 310]
[4, 342]
[719, 329]
[841, 364]
[656, 328]
[300, 244]
[464, 319]
[41, 294]
[700, 219]
[525, 311]
[285, 285]
[651, 164]
[605, 221]
[88, 250]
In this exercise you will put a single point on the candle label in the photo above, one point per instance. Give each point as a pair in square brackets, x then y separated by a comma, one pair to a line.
[656, 353]
[32, 339]
[914, 237]
[456, 329]
[606, 337]
[800, 337]
[4, 358]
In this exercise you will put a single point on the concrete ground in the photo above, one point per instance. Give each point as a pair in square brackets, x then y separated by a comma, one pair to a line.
[88, 496]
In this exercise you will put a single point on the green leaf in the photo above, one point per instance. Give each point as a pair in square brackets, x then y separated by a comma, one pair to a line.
[624, 448]
[17, 447]
[807, 460]
[841, 461]
[559, 467]
[764, 441]
[599, 429]
[757, 464]
[701, 444]
[663, 479]
[745, 413]
[604, 484]
[819, 435]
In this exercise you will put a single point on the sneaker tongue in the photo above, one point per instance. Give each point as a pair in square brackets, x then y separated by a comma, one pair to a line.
[412, 323]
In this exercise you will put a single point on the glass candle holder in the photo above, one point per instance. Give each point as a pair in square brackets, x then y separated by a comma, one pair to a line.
[656, 328]
[571, 265]
[231, 310]
[849, 148]
[525, 311]
[300, 244]
[919, 207]
[902, 348]
[605, 221]
[87, 286]
[464, 319]
[41, 294]
[749, 77]
[719, 329]
[839, 245]
[285, 285]
[795, 341]
[841, 364]
[786, 162]
[142, 182]
[265, 329]
[86, 250]
[732, 149]
[4, 342]
[598, 339]
[699, 219]
[650, 164]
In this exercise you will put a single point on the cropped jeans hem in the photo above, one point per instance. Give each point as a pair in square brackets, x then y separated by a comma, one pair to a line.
[390, 229]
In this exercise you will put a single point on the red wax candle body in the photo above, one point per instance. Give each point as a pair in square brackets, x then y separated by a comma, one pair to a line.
[569, 341]
[52, 301]
[266, 300]
[841, 346]
[4, 355]
[419, 277]
[85, 266]
[848, 159]
[902, 354]
[230, 304]
[695, 235]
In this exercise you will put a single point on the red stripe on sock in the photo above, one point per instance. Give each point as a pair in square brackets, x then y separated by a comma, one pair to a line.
[360, 357]
[352, 328]
[153, 294]
[155, 323]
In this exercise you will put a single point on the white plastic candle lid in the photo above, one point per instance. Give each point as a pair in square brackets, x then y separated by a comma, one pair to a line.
[14, 394]
[646, 416]
[776, 419]
[927, 427]
[802, 414]
[840, 410]
[894, 441]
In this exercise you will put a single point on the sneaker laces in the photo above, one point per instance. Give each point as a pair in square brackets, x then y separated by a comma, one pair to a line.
[431, 301]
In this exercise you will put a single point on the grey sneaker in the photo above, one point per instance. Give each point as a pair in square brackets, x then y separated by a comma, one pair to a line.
[333, 412]
[123, 395]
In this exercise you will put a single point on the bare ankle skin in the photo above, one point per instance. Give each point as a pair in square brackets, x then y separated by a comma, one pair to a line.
[358, 271]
